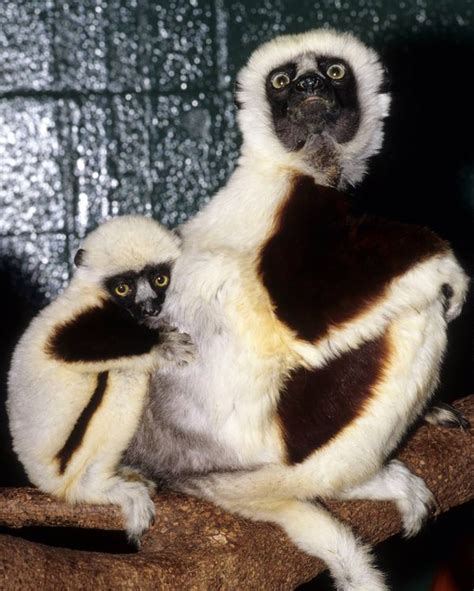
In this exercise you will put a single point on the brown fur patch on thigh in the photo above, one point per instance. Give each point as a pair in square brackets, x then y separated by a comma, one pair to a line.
[316, 405]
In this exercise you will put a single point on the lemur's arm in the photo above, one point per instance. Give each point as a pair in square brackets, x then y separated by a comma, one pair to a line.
[437, 279]
[104, 338]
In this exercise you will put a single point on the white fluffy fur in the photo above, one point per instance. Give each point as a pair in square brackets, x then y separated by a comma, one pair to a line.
[46, 395]
[223, 407]
[125, 243]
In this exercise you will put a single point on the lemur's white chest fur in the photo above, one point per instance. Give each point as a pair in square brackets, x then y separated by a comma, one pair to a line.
[231, 393]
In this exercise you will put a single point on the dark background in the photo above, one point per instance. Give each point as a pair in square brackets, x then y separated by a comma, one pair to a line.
[121, 106]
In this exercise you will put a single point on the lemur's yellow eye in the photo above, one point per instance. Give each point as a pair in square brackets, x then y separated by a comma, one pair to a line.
[336, 71]
[122, 289]
[280, 80]
[161, 280]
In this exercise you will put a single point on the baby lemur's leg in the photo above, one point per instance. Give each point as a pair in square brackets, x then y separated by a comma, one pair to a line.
[92, 473]
[137, 507]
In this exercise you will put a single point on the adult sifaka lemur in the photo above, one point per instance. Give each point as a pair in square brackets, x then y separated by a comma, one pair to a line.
[320, 335]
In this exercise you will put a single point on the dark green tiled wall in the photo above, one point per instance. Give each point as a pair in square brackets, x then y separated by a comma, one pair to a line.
[115, 106]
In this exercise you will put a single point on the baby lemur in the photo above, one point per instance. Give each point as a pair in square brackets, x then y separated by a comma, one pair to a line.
[80, 373]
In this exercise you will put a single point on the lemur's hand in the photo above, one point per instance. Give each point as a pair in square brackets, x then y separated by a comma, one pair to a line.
[175, 347]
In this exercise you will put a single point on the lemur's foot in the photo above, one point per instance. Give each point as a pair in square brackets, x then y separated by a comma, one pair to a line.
[133, 475]
[445, 415]
[413, 498]
[137, 507]
[454, 287]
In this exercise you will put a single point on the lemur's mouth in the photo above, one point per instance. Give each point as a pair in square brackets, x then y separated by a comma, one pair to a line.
[150, 313]
[315, 99]
[312, 110]
[142, 315]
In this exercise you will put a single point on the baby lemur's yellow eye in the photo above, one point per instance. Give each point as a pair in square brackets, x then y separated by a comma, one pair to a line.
[161, 280]
[122, 289]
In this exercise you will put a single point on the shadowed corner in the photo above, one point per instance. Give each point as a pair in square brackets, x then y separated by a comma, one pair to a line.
[19, 301]
[422, 173]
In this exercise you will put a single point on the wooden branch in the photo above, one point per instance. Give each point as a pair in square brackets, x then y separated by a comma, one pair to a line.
[195, 545]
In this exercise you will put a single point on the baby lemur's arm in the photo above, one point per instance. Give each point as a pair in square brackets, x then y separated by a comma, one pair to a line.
[103, 337]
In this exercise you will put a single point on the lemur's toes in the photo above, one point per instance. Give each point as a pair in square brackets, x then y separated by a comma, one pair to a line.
[445, 415]
[133, 475]
[138, 509]
[414, 500]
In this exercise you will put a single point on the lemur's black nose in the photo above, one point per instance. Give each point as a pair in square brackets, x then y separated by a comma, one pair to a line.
[309, 83]
[151, 307]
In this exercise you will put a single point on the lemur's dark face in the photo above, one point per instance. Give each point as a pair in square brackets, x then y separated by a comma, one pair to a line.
[311, 95]
[141, 293]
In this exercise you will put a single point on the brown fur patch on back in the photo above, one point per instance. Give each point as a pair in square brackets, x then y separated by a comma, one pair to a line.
[315, 405]
[76, 436]
[101, 333]
[323, 267]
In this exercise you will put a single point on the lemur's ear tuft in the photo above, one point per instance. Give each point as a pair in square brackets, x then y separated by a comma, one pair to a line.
[79, 257]
[387, 84]
[237, 101]
[177, 232]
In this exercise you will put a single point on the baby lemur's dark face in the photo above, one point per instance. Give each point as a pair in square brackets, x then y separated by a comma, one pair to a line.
[141, 293]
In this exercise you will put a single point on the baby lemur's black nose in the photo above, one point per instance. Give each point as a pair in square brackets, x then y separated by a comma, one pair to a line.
[151, 307]
[309, 83]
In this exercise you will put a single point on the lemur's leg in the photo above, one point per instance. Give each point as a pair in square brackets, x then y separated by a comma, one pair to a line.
[419, 339]
[394, 482]
[92, 472]
[417, 344]
[318, 533]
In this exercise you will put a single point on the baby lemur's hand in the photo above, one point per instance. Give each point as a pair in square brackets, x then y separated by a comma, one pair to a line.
[175, 347]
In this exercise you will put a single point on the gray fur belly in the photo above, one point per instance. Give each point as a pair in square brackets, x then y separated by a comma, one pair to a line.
[172, 437]
[215, 413]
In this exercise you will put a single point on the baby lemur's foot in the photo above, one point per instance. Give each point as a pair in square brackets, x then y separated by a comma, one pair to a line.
[137, 507]
[133, 475]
